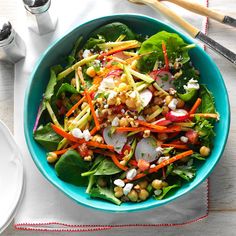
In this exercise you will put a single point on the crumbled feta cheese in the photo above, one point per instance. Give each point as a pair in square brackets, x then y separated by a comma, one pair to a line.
[87, 135]
[86, 53]
[131, 174]
[192, 84]
[106, 106]
[123, 111]
[115, 122]
[127, 188]
[97, 112]
[173, 103]
[184, 139]
[77, 133]
[157, 192]
[161, 159]
[172, 91]
[133, 94]
[152, 165]
[112, 95]
[159, 151]
[107, 83]
[119, 183]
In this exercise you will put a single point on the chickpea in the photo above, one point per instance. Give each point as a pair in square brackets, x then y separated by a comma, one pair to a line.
[88, 158]
[133, 196]
[162, 136]
[165, 110]
[180, 103]
[90, 71]
[130, 103]
[157, 184]
[118, 192]
[124, 122]
[52, 157]
[205, 151]
[143, 194]
[123, 78]
[143, 184]
[168, 99]
[98, 138]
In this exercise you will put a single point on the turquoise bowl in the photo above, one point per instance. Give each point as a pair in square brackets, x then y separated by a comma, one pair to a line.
[210, 76]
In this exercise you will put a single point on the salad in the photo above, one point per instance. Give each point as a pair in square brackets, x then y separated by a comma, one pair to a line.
[125, 115]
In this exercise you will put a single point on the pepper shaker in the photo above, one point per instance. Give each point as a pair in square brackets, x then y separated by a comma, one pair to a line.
[12, 47]
[40, 17]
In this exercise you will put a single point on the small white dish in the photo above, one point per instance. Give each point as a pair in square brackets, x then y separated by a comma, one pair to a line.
[11, 177]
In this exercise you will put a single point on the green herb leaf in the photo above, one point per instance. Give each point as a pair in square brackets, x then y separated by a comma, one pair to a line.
[70, 166]
[185, 172]
[46, 137]
[104, 193]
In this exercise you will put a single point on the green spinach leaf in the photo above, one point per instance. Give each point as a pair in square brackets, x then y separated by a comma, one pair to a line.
[175, 47]
[112, 31]
[166, 190]
[105, 194]
[65, 87]
[107, 167]
[70, 166]
[46, 137]
[93, 42]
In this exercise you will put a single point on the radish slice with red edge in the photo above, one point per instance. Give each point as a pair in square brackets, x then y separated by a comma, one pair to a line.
[145, 96]
[163, 122]
[146, 149]
[117, 140]
[177, 115]
[163, 78]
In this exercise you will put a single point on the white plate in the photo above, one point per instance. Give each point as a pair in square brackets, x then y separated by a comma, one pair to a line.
[11, 177]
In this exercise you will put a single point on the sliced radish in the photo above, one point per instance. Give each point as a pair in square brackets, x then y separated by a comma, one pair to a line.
[163, 78]
[177, 115]
[118, 140]
[146, 150]
[145, 96]
[121, 55]
[163, 122]
[116, 72]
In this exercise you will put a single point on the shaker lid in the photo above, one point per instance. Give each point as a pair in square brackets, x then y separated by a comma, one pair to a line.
[35, 3]
[5, 29]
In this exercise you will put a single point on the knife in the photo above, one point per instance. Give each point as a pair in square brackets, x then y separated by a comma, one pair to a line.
[192, 30]
[202, 10]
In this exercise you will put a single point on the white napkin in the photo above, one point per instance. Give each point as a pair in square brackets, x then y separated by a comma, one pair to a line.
[46, 208]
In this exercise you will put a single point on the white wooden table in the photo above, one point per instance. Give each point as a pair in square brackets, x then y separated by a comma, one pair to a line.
[222, 215]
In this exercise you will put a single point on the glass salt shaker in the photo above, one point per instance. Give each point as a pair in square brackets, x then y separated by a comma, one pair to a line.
[12, 47]
[40, 16]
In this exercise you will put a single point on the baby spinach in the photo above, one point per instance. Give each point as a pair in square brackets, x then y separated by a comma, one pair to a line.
[166, 190]
[105, 194]
[175, 46]
[70, 166]
[46, 136]
[112, 31]
[104, 167]
[65, 87]
[207, 104]
[93, 42]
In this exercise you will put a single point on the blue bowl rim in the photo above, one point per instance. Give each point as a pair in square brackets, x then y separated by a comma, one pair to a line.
[137, 207]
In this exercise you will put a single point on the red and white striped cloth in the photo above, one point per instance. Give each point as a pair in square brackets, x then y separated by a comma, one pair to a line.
[45, 208]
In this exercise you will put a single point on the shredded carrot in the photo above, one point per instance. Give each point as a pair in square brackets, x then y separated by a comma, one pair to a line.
[133, 162]
[80, 141]
[206, 115]
[177, 146]
[172, 129]
[113, 157]
[162, 164]
[130, 129]
[93, 131]
[165, 55]
[62, 151]
[195, 106]
[92, 109]
[149, 125]
[75, 106]
[115, 50]
[97, 80]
